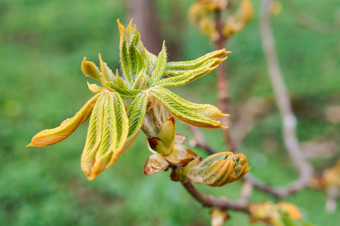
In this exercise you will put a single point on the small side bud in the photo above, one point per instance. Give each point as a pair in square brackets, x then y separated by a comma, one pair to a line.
[217, 170]
[180, 155]
[154, 164]
[168, 132]
[218, 217]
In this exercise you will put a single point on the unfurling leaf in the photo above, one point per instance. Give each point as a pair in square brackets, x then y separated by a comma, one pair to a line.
[184, 66]
[154, 164]
[107, 74]
[66, 128]
[124, 54]
[160, 66]
[201, 115]
[107, 134]
[94, 88]
[182, 73]
[136, 113]
[217, 169]
[133, 56]
[90, 69]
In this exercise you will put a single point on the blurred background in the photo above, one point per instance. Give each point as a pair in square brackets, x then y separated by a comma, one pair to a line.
[42, 44]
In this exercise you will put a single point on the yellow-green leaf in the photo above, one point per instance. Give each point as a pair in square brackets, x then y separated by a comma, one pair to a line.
[160, 66]
[190, 75]
[107, 74]
[106, 136]
[94, 88]
[141, 80]
[90, 69]
[66, 128]
[201, 115]
[123, 91]
[124, 54]
[187, 65]
[136, 113]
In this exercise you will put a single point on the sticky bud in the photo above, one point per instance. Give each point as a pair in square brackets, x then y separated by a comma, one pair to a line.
[217, 169]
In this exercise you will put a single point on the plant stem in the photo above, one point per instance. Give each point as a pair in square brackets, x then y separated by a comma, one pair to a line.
[222, 85]
[283, 102]
[211, 201]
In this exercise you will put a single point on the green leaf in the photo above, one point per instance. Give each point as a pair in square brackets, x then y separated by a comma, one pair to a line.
[107, 134]
[160, 66]
[201, 115]
[124, 54]
[123, 91]
[187, 65]
[94, 135]
[136, 112]
[141, 81]
[133, 57]
[190, 75]
[107, 74]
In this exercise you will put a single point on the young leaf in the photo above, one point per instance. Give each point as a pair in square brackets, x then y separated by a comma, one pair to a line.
[94, 88]
[190, 75]
[123, 91]
[107, 74]
[107, 135]
[124, 54]
[160, 66]
[193, 64]
[133, 56]
[136, 113]
[141, 80]
[201, 115]
[90, 69]
[66, 128]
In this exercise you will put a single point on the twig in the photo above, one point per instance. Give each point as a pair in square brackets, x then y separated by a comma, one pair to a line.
[284, 105]
[222, 86]
[289, 119]
[211, 201]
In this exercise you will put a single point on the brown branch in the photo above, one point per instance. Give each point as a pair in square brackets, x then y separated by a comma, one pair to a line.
[211, 201]
[284, 105]
[222, 86]
[289, 119]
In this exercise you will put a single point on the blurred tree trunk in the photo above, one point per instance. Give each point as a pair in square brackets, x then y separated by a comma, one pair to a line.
[144, 15]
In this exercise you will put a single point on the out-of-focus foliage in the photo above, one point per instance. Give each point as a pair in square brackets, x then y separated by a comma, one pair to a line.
[42, 43]
[281, 214]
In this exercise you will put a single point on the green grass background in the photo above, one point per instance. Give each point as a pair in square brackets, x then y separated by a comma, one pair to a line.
[42, 43]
